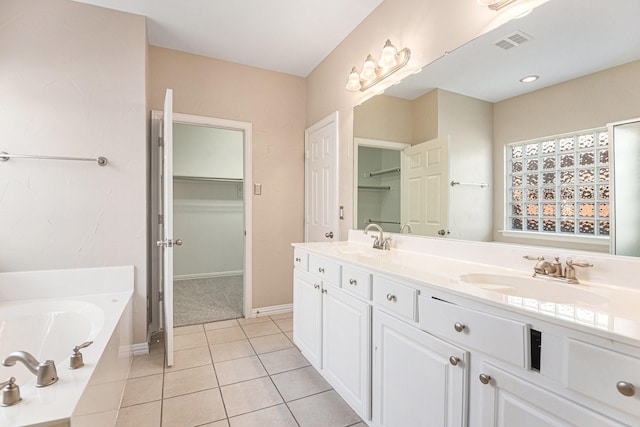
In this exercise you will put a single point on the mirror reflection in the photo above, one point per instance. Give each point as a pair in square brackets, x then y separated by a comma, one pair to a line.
[467, 110]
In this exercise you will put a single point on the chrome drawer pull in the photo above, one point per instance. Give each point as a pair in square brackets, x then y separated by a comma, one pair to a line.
[298, 259]
[320, 270]
[454, 360]
[625, 388]
[316, 286]
[391, 297]
[484, 378]
[459, 327]
[353, 282]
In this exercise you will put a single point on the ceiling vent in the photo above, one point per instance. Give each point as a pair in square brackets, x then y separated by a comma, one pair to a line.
[512, 40]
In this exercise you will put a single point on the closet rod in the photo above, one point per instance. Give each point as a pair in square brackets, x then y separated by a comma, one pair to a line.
[4, 157]
[370, 221]
[204, 178]
[479, 184]
[385, 171]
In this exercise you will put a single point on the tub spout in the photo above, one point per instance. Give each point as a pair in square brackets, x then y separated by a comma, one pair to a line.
[45, 372]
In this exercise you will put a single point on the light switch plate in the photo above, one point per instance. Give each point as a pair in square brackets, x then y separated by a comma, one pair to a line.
[257, 189]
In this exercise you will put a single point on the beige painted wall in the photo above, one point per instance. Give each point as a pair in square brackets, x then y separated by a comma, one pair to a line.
[385, 118]
[425, 117]
[427, 27]
[275, 104]
[584, 103]
[72, 79]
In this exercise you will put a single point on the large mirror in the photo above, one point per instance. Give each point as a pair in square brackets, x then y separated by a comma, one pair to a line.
[469, 110]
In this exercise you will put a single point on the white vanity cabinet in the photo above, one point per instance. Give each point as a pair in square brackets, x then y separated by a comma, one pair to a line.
[418, 379]
[332, 328]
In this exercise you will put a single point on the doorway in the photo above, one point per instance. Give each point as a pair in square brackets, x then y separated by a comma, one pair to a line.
[211, 216]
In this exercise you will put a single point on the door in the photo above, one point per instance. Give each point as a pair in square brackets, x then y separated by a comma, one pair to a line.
[167, 224]
[418, 379]
[425, 181]
[307, 317]
[346, 344]
[321, 180]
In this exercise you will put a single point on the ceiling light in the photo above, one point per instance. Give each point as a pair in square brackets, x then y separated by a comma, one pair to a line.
[529, 79]
[391, 60]
[388, 55]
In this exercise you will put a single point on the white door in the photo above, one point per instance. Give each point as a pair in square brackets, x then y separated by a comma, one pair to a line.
[307, 317]
[167, 242]
[425, 182]
[346, 343]
[321, 180]
[415, 381]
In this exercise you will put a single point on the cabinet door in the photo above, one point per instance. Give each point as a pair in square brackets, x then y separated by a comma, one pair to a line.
[414, 382]
[346, 351]
[307, 316]
[510, 401]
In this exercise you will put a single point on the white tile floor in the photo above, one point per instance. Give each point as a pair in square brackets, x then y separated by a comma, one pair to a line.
[237, 373]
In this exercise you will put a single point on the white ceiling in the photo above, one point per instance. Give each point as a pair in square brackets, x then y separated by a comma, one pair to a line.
[289, 36]
[570, 39]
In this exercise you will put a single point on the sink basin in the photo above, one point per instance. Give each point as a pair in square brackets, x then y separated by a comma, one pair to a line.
[362, 252]
[535, 288]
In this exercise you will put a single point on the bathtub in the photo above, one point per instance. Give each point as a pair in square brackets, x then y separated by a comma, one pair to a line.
[85, 309]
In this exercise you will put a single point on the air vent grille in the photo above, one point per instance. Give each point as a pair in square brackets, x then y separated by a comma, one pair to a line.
[513, 40]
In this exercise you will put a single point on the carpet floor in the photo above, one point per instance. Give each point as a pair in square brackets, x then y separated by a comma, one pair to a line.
[207, 300]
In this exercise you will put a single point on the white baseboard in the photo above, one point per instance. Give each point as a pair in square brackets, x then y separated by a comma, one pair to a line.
[274, 309]
[208, 275]
[139, 349]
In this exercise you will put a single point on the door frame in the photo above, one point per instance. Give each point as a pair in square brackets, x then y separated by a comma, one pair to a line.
[331, 118]
[155, 209]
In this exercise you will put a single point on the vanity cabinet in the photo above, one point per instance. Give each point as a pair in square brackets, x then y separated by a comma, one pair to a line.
[418, 379]
[332, 329]
[511, 401]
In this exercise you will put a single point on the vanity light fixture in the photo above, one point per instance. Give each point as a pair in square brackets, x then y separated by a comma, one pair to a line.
[529, 79]
[391, 60]
[495, 4]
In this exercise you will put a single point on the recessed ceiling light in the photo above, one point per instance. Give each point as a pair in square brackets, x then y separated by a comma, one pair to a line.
[529, 79]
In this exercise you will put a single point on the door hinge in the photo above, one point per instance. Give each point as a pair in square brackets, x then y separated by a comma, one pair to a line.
[160, 141]
[160, 219]
[160, 297]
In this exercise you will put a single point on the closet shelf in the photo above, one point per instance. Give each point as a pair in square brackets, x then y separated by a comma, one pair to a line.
[384, 172]
[206, 178]
[374, 187]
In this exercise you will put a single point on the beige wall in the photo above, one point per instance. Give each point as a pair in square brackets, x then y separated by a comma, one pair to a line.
[425, 117]
[275, 105]
[584, 103]
[385, 118]
[72, 79]
[427, 27]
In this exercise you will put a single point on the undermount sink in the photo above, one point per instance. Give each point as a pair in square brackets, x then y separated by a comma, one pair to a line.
[358, 251]
[536, 288]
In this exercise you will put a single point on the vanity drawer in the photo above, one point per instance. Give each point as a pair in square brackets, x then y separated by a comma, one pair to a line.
[356, 281]
[326, 270]
[395, 297]
[300, 259]
[501, 338]
[601, 373]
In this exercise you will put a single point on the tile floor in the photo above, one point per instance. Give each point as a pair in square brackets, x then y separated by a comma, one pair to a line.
[236, 373]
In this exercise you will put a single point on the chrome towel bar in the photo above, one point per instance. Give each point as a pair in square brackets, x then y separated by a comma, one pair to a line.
[4, 157]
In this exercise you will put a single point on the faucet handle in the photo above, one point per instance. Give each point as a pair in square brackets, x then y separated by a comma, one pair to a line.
[76, 361]
[533, 258]
[572, 263]
[10, 392]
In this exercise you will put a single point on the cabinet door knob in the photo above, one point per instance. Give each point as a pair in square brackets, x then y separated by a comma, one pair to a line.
[391, 297]
[316, 286]
[320, 270]
[324, 291]
[484, 378]
[353, 282]
[298, 259]
[625, 388]
[329, 235]
[454, 360]
[459, 327]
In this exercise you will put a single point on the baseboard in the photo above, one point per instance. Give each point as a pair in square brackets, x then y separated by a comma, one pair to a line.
[207, 275]
[274, 309]
[139, 349]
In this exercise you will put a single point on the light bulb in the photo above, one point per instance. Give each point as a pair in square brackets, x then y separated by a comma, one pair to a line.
[388, 56]
[354, 80]
[368, 69]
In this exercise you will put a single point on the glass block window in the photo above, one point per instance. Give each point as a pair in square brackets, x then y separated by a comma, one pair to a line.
[560, 184]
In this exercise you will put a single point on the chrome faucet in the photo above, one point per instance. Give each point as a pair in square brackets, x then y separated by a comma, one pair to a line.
[379, 242]
[408, 227]
[45, 372]
[554, 269]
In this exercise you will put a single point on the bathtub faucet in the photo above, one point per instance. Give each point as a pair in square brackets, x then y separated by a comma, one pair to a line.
[45, 371]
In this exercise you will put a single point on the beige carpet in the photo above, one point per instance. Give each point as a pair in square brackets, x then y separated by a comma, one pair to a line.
[206, 300]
